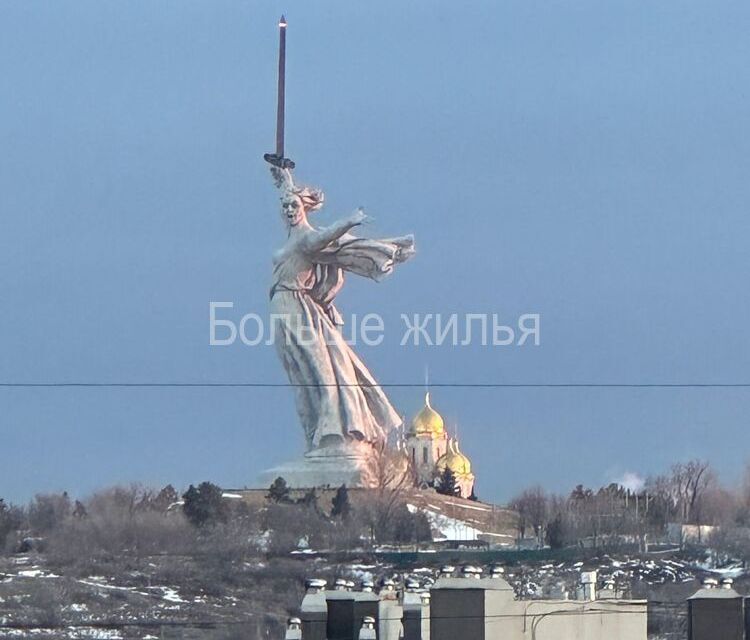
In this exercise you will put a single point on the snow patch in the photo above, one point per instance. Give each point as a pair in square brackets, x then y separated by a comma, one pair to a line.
[36, 573]
[449, 528]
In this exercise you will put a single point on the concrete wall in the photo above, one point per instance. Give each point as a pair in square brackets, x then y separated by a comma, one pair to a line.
[389, 618]
[568, 620]
[346, 611]
[314, 615]
[714, 618]
[457, 614]
[416, 617]
[487, 610]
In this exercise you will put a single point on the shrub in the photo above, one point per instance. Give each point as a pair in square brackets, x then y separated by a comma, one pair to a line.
[48, 511]
[204, 505]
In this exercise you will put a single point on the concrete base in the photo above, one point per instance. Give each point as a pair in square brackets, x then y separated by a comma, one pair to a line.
[331, 466]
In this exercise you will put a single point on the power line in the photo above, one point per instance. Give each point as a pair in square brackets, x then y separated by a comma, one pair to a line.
[409, 385]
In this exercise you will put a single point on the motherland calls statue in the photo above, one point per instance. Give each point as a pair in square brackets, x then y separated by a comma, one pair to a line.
[338, 400]
[342, 409]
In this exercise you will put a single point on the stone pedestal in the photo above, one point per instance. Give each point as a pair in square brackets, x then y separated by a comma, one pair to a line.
[331, 466]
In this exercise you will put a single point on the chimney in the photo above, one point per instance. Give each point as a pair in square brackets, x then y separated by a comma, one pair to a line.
[411, 585]
[710, 583]
[293, 629]
[446, 571]
[340, 585]
[367, 632]
[315, 585]
[390, 611]
[471, 572]
[497, 572]
[314, 610]
[715, 612]
[388, 588]
[416, 612]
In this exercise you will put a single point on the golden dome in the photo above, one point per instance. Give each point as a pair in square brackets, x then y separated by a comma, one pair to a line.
[456, 461]
[428, 421]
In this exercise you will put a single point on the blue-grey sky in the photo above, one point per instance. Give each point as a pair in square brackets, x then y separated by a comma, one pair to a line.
[588, 161]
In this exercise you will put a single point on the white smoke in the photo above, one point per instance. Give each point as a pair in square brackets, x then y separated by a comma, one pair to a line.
[631, 481]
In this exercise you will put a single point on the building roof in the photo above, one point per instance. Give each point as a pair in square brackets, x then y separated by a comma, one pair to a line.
[715, 594]
[488, 584]
[456, 461]
[428, 422]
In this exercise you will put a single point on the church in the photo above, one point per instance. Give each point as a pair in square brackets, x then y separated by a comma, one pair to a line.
[431, 450]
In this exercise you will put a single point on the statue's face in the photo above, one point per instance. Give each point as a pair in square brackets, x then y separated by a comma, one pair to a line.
[292, 210]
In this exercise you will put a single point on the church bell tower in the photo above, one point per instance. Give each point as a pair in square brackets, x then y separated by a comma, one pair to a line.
[426, 443]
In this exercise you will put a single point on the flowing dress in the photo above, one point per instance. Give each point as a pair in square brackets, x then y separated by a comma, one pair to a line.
[337, 397]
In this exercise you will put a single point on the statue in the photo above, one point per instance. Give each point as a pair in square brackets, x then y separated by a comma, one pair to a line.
[337, 397]
[345, 415]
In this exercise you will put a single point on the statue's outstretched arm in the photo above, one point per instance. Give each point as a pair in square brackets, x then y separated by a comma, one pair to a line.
[321, 238]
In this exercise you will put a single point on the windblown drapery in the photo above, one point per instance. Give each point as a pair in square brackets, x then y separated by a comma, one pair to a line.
[337, 397]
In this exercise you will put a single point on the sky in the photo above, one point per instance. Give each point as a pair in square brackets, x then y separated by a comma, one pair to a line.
[585, 161]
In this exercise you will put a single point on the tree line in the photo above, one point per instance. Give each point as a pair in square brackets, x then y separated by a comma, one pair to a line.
[140, 521]
[689, 493]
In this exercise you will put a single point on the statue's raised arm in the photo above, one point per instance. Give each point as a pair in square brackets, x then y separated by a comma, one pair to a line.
[282, 178]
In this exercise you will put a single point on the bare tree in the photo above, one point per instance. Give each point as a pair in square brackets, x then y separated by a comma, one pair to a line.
[661, 504]
[389, 476]
[531, 505]
[743, 499]
[717, 506]
[691, 480]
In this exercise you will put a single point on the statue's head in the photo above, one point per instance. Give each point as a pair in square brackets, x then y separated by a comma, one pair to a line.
[298, 202]
[292, 209]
